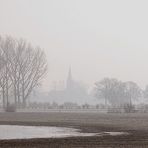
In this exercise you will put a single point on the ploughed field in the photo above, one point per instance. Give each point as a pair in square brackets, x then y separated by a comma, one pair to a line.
[135, 124]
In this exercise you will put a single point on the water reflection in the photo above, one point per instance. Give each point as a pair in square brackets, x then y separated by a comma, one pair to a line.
[28, 132]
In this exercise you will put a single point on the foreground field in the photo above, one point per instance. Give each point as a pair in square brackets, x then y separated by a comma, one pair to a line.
[135, 124]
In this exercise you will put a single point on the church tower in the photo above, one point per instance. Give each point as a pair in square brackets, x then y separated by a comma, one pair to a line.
[69, 85]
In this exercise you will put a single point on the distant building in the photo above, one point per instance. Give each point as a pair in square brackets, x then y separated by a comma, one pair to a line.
[73, 92]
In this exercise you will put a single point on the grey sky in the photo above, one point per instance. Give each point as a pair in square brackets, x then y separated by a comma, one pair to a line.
[98, 38]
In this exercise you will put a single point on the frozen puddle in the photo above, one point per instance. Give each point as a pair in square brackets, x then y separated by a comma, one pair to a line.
[28, 132]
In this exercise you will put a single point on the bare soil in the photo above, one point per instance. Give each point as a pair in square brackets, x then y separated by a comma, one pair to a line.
[135, 124]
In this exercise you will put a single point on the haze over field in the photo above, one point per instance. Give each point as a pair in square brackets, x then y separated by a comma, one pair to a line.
[99, 38]
[73, 73]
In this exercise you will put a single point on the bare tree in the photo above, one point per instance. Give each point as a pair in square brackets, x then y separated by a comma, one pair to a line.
[145, 92]
[106, 89]
[22, 69]
[5, 46]
[133, 91]
[116, 92]
[33, 69]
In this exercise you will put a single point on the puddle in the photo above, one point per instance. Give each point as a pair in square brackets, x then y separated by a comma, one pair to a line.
[116, 133]
[28, 132]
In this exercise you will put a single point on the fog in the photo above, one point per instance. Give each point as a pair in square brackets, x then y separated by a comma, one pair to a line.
[99, 38]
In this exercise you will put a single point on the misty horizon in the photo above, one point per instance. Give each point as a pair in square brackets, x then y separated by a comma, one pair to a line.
[98, 39]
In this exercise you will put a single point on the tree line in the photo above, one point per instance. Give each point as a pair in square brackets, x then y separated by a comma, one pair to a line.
[22, 68]
[116, 92]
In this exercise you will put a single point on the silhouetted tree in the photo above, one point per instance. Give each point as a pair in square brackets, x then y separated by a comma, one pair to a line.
[22, 68]
[116, 92]
[145, 92]
[132, 91]
[109, 90]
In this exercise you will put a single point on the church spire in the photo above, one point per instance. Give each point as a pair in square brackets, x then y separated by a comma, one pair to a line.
[69, 79]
